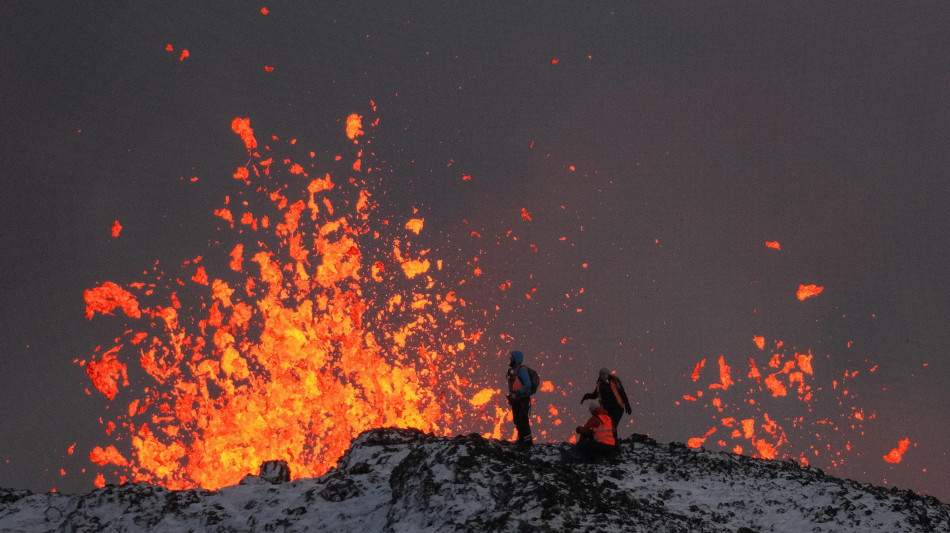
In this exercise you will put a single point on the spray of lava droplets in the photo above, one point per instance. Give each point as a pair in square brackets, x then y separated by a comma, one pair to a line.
[766, 408]
[313, 319]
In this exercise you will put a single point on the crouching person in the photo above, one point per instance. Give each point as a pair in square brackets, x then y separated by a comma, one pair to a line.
[596, 437]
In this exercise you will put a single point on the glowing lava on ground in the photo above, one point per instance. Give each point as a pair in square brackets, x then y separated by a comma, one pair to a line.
[312, 319]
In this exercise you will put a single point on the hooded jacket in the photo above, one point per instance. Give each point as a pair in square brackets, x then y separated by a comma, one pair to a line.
[519, 381]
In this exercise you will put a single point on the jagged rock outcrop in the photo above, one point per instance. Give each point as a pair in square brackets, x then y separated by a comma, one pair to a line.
[394, 480]
[273, 472]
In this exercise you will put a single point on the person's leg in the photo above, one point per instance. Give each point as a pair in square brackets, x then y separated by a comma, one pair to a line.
[521, 412]
[592, 450]
[604, 450]
[585, 449]
[615, 416]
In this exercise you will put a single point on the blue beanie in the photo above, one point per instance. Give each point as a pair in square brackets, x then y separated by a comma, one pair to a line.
[517, 357]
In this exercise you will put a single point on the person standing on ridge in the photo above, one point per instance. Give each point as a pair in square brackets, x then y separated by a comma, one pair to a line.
[519, 397]
[609, 392]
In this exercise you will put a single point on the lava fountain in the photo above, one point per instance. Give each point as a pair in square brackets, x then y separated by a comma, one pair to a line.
[313, 318]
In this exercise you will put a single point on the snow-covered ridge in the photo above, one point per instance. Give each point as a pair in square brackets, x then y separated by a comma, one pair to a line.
[395, 480]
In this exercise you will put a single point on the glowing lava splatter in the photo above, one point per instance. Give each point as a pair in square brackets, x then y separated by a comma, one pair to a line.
[774, 399]
[808, 291]
[313, 318]
[897, 454]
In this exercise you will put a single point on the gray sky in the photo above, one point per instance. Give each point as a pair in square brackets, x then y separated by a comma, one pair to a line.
[696, 133]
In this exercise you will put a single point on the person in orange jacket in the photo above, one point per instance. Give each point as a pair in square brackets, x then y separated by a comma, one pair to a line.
[597, 435]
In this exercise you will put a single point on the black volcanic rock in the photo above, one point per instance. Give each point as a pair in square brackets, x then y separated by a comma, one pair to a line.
[404, 480]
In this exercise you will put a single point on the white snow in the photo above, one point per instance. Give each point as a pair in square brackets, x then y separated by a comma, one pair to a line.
[404, 481]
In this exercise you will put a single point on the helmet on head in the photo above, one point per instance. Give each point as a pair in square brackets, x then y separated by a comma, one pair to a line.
[592, 405]
[604, 372]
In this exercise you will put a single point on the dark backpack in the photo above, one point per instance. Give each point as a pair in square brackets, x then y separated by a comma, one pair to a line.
[535, 378]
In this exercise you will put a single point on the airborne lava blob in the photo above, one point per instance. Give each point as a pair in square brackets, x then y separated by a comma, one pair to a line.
[320, 318]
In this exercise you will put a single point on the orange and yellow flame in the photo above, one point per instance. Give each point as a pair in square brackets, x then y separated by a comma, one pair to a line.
[314, 327]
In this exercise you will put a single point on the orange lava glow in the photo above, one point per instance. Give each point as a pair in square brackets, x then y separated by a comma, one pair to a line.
[303, 326]
[696, 442]
[895, 455]
[415, 225]
[107, 297]
[102, 456]
[699, 366]
[808, 291]
[773, 244]
[781, 380]
[242, 126]
[107, 374]
[354, 126]
[725, 375]
[482, 397]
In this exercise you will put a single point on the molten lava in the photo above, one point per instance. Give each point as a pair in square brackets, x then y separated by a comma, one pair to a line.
[305, 325]
[808, 291]
[781, 381]
[895, 455]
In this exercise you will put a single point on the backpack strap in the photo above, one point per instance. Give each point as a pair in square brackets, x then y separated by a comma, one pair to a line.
[514, 378]
[613, 387]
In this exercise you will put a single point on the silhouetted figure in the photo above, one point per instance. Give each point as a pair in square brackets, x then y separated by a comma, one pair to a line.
[611, 396]
[519, 397]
